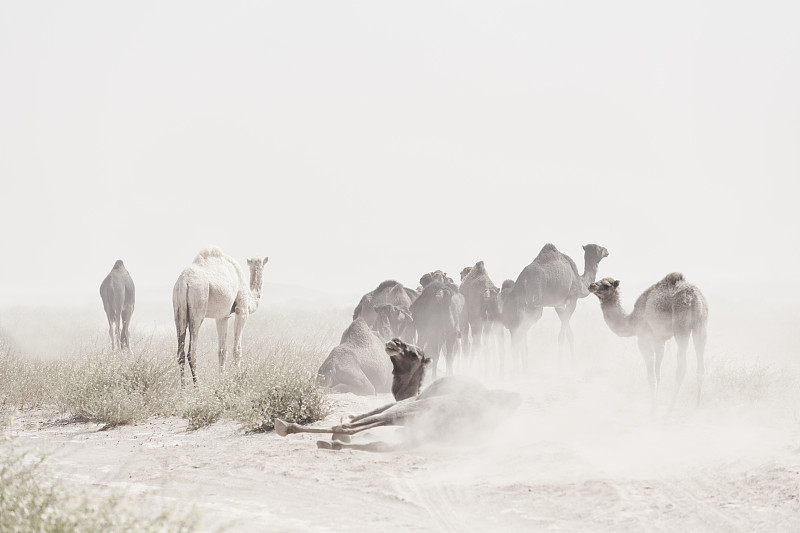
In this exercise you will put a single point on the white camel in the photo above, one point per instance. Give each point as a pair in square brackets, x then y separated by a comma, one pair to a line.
[213, 286]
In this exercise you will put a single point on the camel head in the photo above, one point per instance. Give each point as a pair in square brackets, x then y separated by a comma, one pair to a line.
[605, 289]
[408, 368]
[391, 320]
[594, 253]
[256, 273]
[436, 275]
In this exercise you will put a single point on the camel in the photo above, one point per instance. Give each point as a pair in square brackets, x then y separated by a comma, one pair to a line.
[437, 321]
[119, 297]
[213, 286]
[482, 313]
[670, 308]
[388, 292]
[357, 364]
[551, 280]
[391, 320]
[451, 409]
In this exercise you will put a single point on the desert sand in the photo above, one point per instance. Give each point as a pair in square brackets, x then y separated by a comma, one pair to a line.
[567, 460]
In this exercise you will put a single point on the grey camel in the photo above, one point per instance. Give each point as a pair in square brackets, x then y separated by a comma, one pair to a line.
[670, 308]
[119, 297]
[551, 280]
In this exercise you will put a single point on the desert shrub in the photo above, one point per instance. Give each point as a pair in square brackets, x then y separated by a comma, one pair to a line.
[24, 383]
[114, 388]
[30, 502]
[280, 381]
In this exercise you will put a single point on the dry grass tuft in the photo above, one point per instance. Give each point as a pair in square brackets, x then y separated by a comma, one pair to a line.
[29, 501]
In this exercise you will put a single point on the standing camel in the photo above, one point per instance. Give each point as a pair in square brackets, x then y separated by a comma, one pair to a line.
[482, 315]
[213, 286]
[436, 315]
[119, 296]
[670, 308]
[551, 280]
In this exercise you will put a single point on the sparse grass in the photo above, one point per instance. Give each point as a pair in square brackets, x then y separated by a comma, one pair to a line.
[279, 383]
[277, 377]
[29, 501]
[117, 388]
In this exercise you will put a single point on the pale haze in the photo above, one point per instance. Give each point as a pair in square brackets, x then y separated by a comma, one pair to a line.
[354, 142]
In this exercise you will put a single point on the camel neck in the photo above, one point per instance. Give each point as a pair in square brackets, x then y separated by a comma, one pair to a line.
[589, 275]
[617, 320]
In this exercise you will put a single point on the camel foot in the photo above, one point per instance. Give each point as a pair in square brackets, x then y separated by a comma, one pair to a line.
[325, 445]
[281, 427]
[341, 437]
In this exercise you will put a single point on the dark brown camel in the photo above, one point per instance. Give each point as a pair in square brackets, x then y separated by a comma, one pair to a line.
[452, 409]
[119, 297]
[551, 280]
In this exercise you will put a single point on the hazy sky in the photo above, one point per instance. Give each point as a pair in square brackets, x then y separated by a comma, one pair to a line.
[357, 141]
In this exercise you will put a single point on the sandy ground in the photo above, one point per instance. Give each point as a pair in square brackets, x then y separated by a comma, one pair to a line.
[568, 460]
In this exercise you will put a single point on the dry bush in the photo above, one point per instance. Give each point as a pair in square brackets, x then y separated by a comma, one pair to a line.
[117, 388]
[279, 381]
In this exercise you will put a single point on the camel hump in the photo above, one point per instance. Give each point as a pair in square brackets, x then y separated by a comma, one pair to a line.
[674, 277]
[548, 248]
[208, 252]
[386, 284]
[119, 264]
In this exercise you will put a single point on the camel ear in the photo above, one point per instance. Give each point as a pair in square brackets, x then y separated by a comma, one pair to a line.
[425, 361]
[584, 247]
[616, 283]
[264, 262]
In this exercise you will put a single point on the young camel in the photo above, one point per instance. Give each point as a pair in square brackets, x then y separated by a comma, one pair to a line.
[670, 308]
[452, 408]
[119, 297]
[213, 286]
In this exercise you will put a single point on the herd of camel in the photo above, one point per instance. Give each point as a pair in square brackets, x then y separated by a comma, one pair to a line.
[438, 317]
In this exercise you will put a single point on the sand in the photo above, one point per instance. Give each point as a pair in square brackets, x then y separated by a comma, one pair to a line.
[571, 459]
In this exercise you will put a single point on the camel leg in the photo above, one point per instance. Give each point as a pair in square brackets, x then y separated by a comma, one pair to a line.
[699, 338]
[238, 328]
[222, 341]
[450, 352]
[180, 326]
[376, 446]
[565, 314]
[646, 349]
[126, 320]
[284, 428]
[379, 410]
[194, 331]
[518, 347]
[500, 349]
[682, 338]
[111, 330]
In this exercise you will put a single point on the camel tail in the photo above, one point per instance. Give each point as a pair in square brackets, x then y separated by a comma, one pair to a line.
[180, 306]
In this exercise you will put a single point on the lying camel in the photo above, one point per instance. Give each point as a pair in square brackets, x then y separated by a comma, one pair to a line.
[450, 409]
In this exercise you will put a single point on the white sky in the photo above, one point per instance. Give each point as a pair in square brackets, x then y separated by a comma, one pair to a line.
[358, 141]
